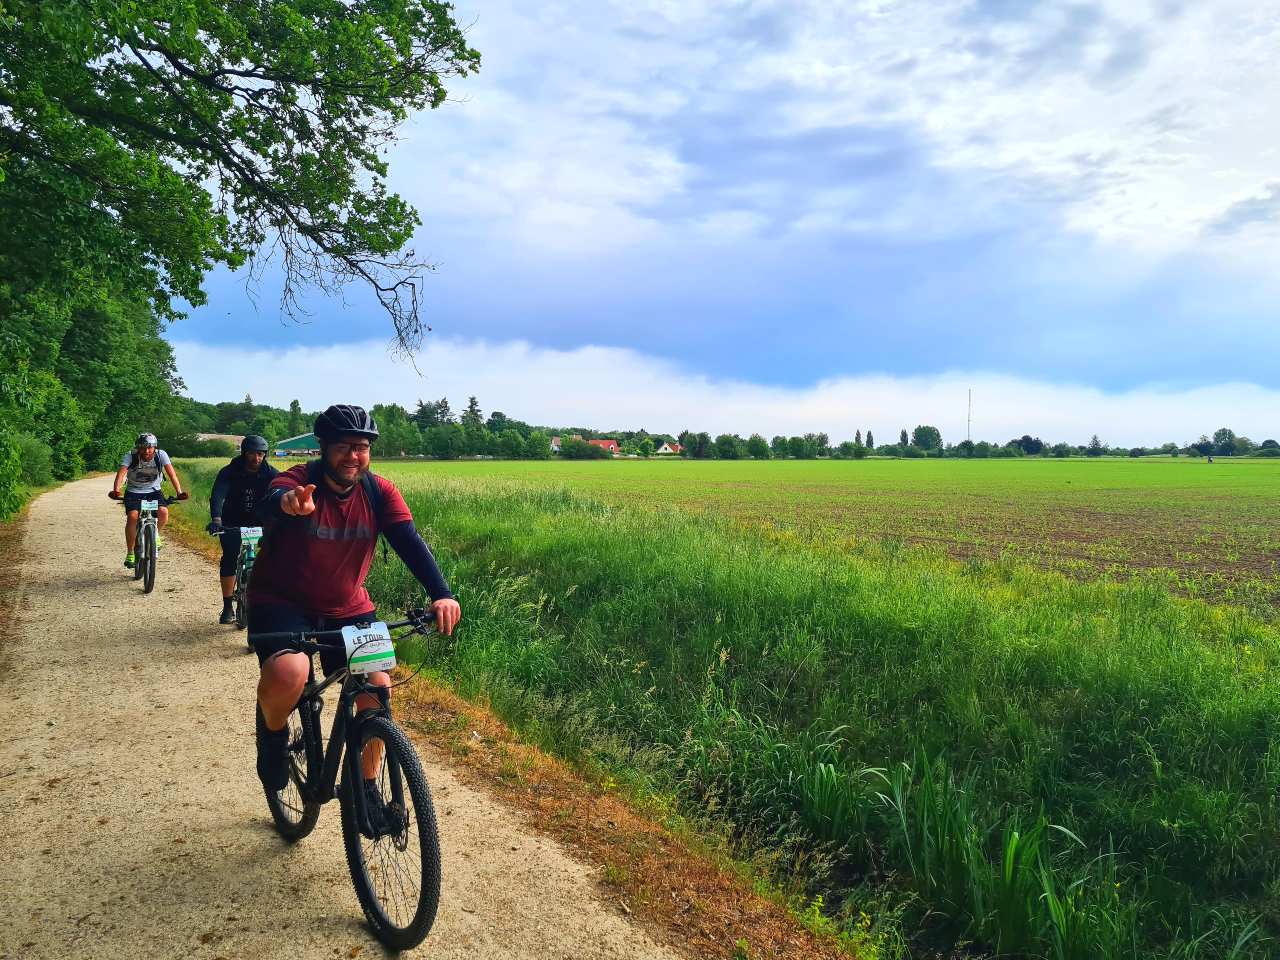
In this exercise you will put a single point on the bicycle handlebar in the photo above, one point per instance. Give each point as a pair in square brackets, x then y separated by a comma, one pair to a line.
[418, 619]
[163, 501]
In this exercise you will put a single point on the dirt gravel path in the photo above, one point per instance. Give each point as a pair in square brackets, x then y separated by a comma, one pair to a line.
[133, 824]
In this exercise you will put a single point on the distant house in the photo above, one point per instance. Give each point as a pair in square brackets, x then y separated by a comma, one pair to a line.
[610, 445]
[303, 445]
[669, 448]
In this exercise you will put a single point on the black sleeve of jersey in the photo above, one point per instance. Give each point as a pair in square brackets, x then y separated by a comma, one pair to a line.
[221, 486]
[413, 550]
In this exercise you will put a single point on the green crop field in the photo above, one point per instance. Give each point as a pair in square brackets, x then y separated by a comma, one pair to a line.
[1211, 529]
[977, 750]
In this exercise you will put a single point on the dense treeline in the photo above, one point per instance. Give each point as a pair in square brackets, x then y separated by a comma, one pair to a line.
[142, 144]
[926, 441]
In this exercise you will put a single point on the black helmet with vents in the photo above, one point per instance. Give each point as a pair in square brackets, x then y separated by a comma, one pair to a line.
[253, 444]
[343, 419]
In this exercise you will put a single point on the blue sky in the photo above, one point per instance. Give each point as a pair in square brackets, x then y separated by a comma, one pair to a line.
[783, 194]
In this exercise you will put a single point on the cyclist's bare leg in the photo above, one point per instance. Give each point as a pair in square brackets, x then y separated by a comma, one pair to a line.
[228, 586]
[164, 516]
[372, 758]
[130, 529]
[280, 685]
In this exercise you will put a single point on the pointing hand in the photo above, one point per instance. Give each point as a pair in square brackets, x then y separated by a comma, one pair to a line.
[297, 502]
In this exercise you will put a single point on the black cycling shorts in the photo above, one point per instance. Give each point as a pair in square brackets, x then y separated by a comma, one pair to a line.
[230, 551]
[133, 501]
[272, 619]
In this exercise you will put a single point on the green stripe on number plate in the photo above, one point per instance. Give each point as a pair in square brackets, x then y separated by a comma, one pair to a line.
[373, 656]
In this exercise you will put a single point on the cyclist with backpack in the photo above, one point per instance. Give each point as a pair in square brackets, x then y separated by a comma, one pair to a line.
[145, 467]
[324, 518]
[238, 488]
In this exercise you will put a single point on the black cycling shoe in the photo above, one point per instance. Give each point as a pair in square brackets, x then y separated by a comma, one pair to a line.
[227, 616]
[273, 757]
[385, 820]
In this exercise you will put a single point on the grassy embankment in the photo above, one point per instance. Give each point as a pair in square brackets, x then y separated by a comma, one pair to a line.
[1060, 768]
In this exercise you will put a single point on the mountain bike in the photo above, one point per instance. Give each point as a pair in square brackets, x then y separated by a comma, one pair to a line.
[245, 559]
[145, 544]
[393, 853]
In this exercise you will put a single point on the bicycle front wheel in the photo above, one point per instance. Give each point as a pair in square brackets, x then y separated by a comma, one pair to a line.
[149, 551]
[294, 815]
[396, 865]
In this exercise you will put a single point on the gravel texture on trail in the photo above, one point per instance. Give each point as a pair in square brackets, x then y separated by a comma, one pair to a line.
[134, 825]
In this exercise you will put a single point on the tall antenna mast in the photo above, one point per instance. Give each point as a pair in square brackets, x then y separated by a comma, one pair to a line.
[968, 424]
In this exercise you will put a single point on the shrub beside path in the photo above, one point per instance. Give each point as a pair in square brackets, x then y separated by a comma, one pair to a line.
[133, 822]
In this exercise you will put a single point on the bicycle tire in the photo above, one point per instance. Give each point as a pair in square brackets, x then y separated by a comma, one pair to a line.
[295, 817]
[400, 926]
[242, 605]
[149, 550]
[139, 563]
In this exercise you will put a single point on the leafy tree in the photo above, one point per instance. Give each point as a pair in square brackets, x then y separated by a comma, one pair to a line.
[857, 437]
[398, 434]
[925, 437]
[1224, 441]
[1061, 450]
[645, 448]
[779, 448]
[757, 447]
[294, 427]
[131, 114]
[511, 445]
[1095, 448]
[446, 441]
[472, 417]
[1031, 446]
[871, 441]
[582, 450]
[537, 446]
[729, 446]
[1269, 445]
[963, 449]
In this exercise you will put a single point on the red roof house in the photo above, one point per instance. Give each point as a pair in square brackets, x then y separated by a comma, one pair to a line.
[610, 445]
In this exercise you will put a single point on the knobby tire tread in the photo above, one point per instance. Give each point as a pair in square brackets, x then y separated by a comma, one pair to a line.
[419, 794]
[149, 549]
[290, 826]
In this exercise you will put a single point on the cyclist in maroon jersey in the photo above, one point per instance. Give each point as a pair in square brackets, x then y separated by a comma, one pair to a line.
[325, 518]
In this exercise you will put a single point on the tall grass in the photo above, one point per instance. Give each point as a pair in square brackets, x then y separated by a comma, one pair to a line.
[1060, 769]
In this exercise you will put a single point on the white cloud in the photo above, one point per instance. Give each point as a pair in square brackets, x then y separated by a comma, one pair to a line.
[611, 388]
[1138, 122]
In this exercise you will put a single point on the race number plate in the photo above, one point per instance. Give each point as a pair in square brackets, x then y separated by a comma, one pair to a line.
[252, 534]
[369, 648]
[150, 504]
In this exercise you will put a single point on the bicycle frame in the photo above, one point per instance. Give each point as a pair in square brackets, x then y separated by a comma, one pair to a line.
[343, 743]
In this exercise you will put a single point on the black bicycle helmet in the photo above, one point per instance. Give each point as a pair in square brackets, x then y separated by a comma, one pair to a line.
[253, 444]
[342, 419]
[145, 440]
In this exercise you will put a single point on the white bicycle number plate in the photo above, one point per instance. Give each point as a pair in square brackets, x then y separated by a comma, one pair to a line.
[369, 648]
[251, 534]
[150, 504]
